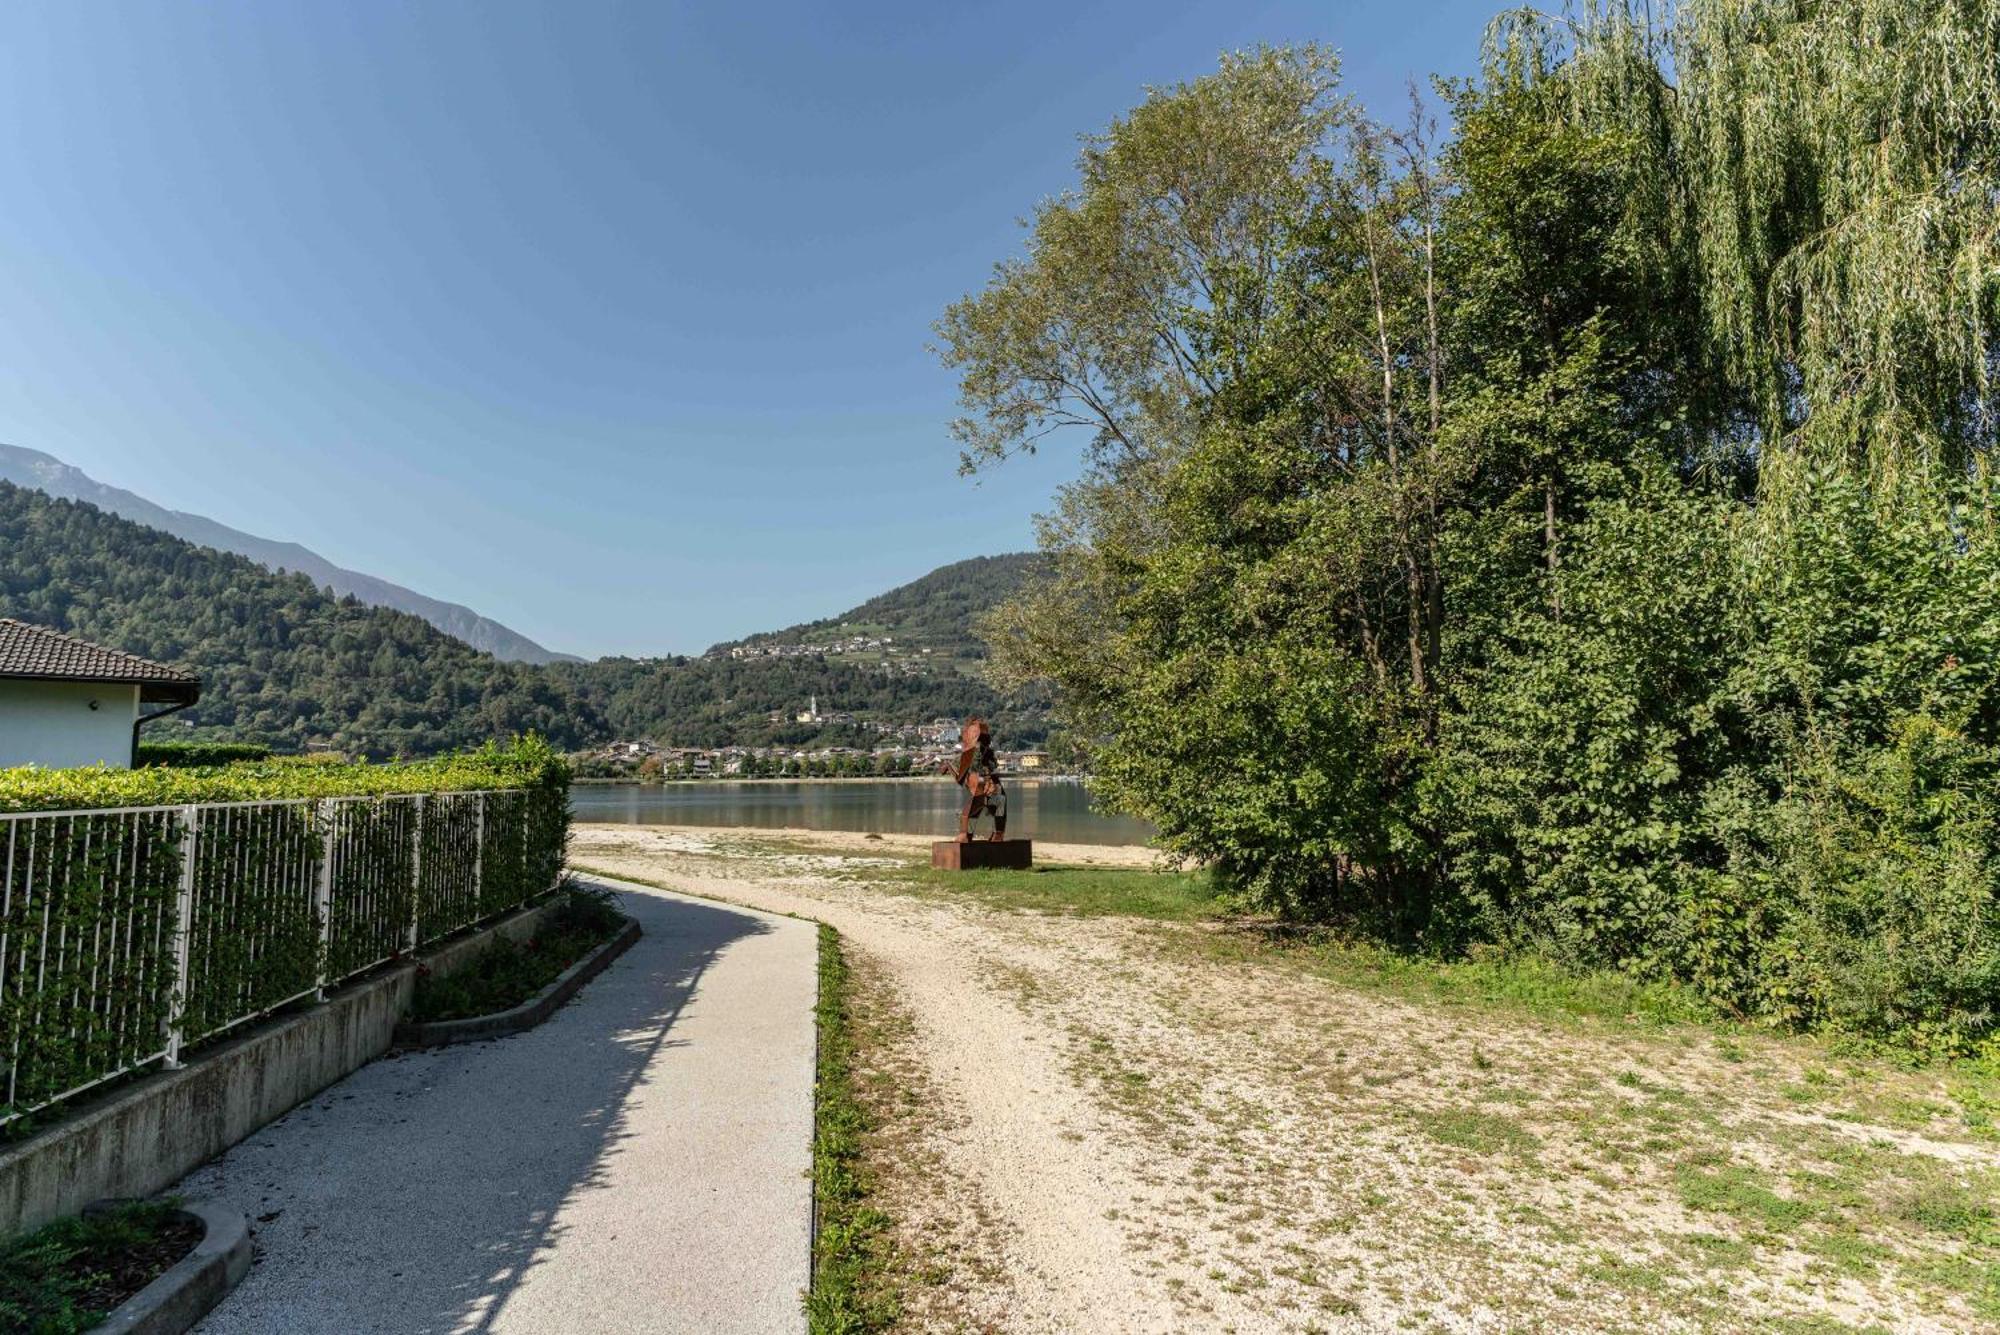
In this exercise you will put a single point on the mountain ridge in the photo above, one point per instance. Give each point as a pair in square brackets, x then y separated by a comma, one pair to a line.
[44, 472]
[934, 611]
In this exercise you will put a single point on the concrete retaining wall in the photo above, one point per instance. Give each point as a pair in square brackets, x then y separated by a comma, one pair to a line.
[145, 1136]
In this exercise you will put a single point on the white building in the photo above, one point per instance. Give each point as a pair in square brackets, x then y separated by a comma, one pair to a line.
[67, 702]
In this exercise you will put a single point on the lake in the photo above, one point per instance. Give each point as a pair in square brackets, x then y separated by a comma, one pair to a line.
[1057, 812]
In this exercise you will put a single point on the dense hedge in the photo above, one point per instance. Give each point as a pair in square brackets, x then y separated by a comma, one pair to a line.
[190, 755]
[527, 763]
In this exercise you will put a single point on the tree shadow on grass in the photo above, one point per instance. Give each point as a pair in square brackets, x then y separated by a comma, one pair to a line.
[418, 1194]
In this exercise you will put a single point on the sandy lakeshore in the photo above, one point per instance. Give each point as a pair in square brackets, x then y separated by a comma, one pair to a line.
[1102, 1124]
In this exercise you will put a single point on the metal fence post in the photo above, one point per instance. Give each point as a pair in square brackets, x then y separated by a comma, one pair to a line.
[183, 934]
[323, 895]
[417, 874]
[478, 855]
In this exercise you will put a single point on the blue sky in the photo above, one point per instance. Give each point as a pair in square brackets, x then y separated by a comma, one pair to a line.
[607, 320]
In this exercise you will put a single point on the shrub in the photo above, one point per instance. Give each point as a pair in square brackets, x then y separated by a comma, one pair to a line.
[511, 972]
[191, 755]
[1891, 860]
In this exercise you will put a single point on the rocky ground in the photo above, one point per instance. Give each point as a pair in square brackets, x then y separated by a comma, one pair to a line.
[1092, 1122]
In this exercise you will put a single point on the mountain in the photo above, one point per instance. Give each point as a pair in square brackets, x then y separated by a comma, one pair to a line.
[902, 659]
[935, 613]
[281, 660]
[44, 472]
[285, 662]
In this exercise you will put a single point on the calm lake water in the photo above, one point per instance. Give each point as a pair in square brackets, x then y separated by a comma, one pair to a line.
[1057, 812]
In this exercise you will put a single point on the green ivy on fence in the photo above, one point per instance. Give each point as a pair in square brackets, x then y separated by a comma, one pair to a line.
[89, 897]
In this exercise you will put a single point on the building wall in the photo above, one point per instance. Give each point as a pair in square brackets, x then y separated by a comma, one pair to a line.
[51, 723]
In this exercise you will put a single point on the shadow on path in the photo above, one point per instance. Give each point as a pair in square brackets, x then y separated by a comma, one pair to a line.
[421, 1193]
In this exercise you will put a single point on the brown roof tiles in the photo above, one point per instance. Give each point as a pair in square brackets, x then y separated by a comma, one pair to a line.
[48, 655]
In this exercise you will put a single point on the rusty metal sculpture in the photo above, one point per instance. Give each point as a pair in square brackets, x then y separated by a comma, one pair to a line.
[978, 772]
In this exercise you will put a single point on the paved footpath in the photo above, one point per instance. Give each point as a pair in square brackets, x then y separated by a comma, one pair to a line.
[637, 1163]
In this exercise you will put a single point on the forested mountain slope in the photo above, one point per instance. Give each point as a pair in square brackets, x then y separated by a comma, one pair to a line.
[32, 468]
[284, 661]
[907, 656]
[730, 702]
[281, 659]
[936, 612]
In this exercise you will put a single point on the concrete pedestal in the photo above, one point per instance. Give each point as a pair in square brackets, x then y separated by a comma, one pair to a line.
[1008, 854]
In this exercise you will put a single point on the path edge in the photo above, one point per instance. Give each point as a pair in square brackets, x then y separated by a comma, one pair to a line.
[517, 1019]
[187, 1292]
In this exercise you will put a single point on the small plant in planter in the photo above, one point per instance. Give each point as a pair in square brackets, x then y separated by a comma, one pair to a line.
[67, 1277]
[510, 972]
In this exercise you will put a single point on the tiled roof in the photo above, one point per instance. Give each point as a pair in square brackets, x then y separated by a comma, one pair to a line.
[31, 651]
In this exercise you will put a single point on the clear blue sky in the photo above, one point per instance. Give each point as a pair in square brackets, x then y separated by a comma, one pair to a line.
[607, 320]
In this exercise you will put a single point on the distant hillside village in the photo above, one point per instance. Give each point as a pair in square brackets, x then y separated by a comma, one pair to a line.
[909, 749]
[882, 648]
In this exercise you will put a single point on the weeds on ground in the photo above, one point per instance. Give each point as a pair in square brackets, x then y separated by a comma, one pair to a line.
[67, 1277]
[850, 1238]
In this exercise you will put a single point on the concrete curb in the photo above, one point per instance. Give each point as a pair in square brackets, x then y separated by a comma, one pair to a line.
[439, 1033]
[197, 1282]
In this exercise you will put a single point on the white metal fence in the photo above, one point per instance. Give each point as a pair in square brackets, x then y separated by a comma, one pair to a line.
[129, 934]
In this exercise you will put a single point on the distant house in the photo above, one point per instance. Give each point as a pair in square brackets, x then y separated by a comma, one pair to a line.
[67, 702]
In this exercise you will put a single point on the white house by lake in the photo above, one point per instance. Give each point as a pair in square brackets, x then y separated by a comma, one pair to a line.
[67, 702]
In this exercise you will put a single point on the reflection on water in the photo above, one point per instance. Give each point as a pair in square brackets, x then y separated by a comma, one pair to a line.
[1057, 812]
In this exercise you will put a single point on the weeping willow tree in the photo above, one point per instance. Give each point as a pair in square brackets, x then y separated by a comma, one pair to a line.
[1829, 172]
[1816, 184]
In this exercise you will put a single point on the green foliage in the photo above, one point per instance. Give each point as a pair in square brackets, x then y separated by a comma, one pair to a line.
[65, 1278]
[511, 972]
[1577, 539]
[530, 762]
[193, 755]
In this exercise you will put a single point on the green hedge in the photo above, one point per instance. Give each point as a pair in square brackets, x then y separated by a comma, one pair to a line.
[526, 763]
[190, 755]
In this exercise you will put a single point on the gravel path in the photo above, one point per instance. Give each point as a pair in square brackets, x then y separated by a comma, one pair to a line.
[637, 1163]
[1110, 1125]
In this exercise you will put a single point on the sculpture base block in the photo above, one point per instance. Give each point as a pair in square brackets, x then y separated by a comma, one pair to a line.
[982, 854]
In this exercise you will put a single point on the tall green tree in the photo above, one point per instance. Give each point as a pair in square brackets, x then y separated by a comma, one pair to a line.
[1576, 535]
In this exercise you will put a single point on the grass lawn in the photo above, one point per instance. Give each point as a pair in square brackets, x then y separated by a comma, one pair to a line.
[1190, 897]
[850, 1234]
[68, 1276]
[1083, 891]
